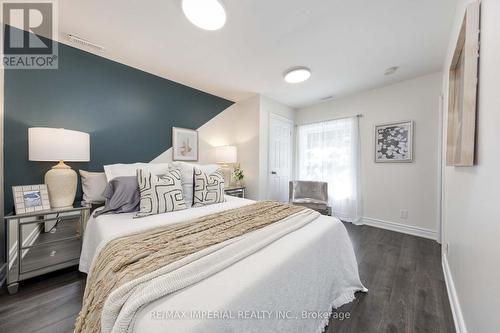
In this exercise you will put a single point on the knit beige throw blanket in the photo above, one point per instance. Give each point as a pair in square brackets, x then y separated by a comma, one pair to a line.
[127, 258]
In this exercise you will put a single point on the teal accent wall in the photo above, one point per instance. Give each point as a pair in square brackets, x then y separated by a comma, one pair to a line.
[128, 113]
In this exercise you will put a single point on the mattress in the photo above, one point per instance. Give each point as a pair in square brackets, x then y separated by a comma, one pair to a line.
[290, 285]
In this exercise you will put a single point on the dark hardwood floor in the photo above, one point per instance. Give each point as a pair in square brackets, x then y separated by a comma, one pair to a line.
[47, 303]
[407, 292]
[403, 274]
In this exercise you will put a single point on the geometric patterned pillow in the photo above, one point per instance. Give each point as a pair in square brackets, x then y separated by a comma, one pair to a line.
[159, 194]
[208, 188]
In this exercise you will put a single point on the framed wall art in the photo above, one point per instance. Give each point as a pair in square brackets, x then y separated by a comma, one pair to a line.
[463, 90]
[184, 144]
[394, 142]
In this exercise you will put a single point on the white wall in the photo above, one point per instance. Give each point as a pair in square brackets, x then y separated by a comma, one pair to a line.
[245, 125]
[471, 195]
[238, 125]
[389, 187]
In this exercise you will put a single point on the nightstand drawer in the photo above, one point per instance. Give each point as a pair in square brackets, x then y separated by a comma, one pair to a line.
[46, 255]
[48, 230]
[49, 241]
[235, 192]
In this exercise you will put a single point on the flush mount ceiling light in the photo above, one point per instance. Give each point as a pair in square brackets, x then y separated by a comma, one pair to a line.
[297, 74]
[205, 14]
[391, 70]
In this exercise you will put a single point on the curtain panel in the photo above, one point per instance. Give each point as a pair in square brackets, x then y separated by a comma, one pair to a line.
[329, 151]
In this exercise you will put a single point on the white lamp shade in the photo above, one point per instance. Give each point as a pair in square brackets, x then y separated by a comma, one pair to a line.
[58, 144]
[226, 154]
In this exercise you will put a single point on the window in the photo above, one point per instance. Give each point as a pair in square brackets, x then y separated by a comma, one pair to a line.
[329, 151]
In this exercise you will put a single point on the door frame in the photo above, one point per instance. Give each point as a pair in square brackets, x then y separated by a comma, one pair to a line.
[440, 171]
[292, 148]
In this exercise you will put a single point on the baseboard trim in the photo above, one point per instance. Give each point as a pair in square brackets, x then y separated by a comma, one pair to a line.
[456, 309]
[402, 228]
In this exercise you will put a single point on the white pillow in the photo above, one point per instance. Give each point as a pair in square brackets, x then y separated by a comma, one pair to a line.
[208, 188]
[93, 185]
[127, 170]
[187, 170]
[160, 194]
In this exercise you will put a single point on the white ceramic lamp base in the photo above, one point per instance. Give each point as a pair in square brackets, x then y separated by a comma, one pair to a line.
[61, 183]
[227, 170]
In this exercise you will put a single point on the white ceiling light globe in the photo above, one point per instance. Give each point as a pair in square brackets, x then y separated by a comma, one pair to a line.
[297, 75]
[205, 14]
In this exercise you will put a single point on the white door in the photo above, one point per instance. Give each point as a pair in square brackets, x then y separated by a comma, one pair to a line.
[280, 157]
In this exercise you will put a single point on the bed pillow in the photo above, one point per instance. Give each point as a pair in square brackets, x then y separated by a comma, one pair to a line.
[128, 170]
[187, 170]
[93, 186]
[208, 188]
[160, 193]
[122, 196]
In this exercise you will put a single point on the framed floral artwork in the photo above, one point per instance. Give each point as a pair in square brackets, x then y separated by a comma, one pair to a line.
[184, 144]
[394, 142]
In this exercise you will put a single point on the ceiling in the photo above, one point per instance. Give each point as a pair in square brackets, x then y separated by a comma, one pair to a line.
[346, 44]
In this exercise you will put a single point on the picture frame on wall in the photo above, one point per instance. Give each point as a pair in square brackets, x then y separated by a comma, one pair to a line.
[184, 144]
[30, 198]
[394, 142]
[463, 91]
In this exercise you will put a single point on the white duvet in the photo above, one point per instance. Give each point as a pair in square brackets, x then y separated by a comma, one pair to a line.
[288, 286]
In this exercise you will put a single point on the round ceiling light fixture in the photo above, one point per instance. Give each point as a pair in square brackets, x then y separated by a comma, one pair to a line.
[205, 14]
[297, 74]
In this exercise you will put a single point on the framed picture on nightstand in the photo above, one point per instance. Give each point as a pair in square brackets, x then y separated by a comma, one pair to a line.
[30, 198]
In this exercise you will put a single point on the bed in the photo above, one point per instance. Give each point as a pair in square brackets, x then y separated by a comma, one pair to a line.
[289, 285]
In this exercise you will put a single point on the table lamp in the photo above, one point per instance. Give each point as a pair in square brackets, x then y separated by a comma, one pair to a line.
[59, 145]
[226, 155]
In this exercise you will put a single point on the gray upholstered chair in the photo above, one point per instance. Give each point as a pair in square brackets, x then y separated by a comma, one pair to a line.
[310, 194]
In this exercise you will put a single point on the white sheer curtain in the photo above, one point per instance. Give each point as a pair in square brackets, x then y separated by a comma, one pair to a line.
[329, 151]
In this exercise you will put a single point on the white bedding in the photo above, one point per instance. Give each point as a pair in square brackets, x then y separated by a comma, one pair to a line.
[108, 227]
[311, 270]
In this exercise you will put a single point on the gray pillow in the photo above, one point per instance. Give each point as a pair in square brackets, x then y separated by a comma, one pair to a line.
[122, 196]
[93, 185]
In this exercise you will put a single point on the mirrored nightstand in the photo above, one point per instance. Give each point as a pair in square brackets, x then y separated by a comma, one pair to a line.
[43, 241]
[235, 191]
